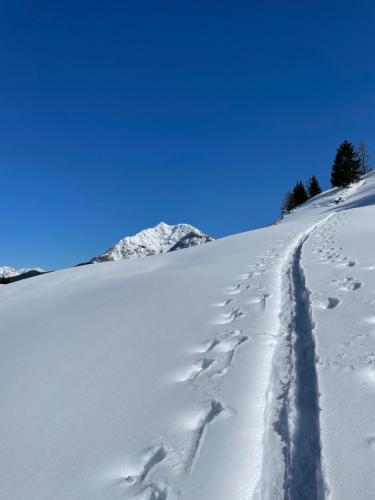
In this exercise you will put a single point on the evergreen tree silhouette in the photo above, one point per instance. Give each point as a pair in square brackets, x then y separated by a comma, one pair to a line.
[289, 203]
[313, 186]
[346, 166]
[300, 193]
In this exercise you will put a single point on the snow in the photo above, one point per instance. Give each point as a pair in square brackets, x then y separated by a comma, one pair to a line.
[155, 240]
[236, 370]
[339, 263]
[9, 272]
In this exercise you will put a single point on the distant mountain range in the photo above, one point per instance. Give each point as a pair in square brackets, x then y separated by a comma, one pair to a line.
[162, 238]
[10, 274]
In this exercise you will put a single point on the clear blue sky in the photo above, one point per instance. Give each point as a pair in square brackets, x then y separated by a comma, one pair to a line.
[118, 114]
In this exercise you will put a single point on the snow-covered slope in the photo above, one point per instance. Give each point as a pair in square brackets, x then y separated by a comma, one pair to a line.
[243, 369]
[10, 272]
[159, 239]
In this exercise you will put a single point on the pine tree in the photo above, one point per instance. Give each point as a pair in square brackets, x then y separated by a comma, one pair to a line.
[289, 203]
[313, 186]
[364, 157]
[346, 167]
[299, 193]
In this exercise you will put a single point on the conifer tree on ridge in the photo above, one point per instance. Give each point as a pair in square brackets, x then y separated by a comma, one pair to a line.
[346, 166]
[289, 203]
[300, 193]
[313, 186]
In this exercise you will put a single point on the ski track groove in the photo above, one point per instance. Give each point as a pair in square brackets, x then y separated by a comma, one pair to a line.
[292, 410]
[304, 476]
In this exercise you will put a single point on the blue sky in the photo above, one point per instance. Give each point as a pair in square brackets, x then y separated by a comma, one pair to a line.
[115, 115]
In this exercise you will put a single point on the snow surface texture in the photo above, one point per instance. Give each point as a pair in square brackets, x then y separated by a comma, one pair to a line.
[155, 240]
[9, 272]
[243, 369]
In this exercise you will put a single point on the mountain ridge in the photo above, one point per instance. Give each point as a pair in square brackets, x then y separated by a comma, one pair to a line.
[161, 238]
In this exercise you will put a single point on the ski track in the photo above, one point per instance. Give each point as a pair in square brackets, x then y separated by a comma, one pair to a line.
[292, 448]
[292, 407]
[304, 475]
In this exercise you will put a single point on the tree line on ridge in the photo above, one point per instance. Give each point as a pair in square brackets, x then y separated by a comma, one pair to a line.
[348, 166]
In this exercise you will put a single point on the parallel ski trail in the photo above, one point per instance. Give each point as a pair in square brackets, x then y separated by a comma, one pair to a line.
[304, 474]
[292, 446]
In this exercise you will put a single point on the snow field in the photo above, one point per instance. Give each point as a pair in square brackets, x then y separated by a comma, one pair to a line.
[239, 369]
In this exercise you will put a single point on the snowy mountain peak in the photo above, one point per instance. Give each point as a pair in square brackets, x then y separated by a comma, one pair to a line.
[162, 238]
[10, 272]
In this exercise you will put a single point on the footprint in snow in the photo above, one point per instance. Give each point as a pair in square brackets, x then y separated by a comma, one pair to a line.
[223, 303]
[228, 341]
[224, 349]
[348, 284]
[139, 484]
[197, 369]
[209, 414]
[247, 275]
[321, 301]
[230, 316]
[347, 263]
[260, 299]
[151, 458]
[235, 289]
